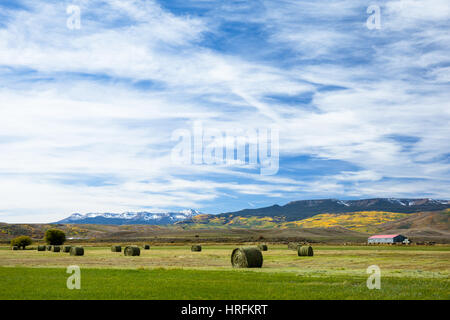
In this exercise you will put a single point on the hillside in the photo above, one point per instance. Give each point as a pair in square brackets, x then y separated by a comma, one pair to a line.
[363, 221]
[298, 210]
[423, 224]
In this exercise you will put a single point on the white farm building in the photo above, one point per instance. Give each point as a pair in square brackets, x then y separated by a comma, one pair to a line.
[387, 238]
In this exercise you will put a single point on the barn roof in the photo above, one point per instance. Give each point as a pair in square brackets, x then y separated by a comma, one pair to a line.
[383, 236]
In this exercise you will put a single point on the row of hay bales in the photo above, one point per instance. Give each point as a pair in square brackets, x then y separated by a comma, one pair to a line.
[247, 257]
[136, 251]
[74, 251]
[242, 257]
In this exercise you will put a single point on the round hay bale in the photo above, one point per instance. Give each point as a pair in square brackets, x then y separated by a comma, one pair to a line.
[196, 248]
[116, 249]
[67, 249]
[14, 248]
[249, 257]
[41, 248]
[293, 246]
[146, 247]
[77, 251]
[132, 251]
[56, 249]
[305, 251]
[48, 248]
[263, 247]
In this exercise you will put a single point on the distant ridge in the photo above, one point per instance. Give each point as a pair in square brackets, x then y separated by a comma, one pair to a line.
[302, 209]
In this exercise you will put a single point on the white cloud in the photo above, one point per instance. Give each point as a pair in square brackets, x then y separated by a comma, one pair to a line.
[79, 114]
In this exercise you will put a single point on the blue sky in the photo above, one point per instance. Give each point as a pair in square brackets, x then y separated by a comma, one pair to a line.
[87, 115]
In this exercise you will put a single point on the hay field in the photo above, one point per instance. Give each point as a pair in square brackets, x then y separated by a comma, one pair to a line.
[175, 272]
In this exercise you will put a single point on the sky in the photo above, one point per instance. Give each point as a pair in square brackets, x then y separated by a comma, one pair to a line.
[97, 96]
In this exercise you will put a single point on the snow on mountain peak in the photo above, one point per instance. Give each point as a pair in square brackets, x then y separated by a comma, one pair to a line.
[191, 212]
[76, 216]
[343, 202]
[143, 217]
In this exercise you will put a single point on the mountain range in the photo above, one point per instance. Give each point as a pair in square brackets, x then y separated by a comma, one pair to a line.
[127, 218]
[292, 211]
[303, 209]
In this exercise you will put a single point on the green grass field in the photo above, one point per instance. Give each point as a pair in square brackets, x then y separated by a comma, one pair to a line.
[174, 272]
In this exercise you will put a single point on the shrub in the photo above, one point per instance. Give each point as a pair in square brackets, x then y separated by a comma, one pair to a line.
[55, 237]
[21, 242]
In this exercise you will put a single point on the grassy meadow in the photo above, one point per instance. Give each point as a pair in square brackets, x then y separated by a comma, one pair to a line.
[174, 272]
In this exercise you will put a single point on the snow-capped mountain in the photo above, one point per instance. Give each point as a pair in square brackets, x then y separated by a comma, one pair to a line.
[144, 217]
[294, 210]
